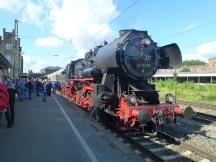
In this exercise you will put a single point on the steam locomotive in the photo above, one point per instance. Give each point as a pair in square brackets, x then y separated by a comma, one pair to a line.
[113, 80]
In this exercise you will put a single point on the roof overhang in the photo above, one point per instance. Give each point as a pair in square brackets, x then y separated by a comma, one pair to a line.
[213, 74]
[4, 63]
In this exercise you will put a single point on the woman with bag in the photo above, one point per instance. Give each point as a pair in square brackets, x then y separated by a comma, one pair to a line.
[4, 102]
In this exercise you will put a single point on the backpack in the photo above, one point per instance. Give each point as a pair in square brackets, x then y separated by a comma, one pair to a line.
[4, 97]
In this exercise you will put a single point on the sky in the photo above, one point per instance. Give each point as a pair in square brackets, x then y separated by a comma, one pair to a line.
[54, 32]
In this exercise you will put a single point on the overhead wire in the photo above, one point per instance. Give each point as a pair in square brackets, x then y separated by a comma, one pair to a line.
[168, 36]
[188, 30]
[117, 17]
[196, 44]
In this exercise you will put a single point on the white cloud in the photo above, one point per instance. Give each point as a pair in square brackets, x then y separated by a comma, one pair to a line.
[202, 52]
[32, 13]
[207, 48]
[49, 42]
[27, 59]
[12, 5]
[82, 20]
[80, 53]
[33, 63]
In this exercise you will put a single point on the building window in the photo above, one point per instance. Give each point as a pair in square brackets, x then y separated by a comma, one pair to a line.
[8, 46]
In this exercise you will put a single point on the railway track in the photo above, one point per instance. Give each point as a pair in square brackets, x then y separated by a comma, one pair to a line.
[194, 104]
[165, 147]
[199, 116]
[205, 118]
[197, 104]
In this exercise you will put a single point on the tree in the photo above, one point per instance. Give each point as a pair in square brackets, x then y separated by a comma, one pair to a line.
[30, 72]
[193, 62]
[185, 69]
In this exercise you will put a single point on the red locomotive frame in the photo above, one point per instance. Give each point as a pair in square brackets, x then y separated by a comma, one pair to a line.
[127, 116]
[82, 97]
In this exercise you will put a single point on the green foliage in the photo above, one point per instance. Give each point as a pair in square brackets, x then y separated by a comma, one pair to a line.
[185, 69]
[193, 62]
[175, 76]
[188, 91]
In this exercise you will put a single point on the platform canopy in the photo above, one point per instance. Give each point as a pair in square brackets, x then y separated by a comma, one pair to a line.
[4, 63]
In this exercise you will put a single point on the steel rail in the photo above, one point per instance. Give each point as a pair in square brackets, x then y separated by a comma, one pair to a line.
[190, 147]
[203, 117]
[141, 148]
[197, 104]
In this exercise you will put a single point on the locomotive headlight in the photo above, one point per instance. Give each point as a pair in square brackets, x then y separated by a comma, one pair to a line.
[145, 41]
[132, 100]
[169, 98]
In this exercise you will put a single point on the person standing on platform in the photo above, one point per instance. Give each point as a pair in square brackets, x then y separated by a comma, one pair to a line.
[32, 83]
[4, 102]
[44, 91]
[54, 86]
[29, 87]
[49, 88]
[37, 87]
[21, 89]
[12, 97]
[25, 89]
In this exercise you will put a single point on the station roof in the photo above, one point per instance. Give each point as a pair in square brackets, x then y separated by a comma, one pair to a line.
[213, 58]
[157, 75]
[4, 63]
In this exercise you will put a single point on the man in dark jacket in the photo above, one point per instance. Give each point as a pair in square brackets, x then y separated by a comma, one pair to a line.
[37, 87]
[29, 87]
[12, 97]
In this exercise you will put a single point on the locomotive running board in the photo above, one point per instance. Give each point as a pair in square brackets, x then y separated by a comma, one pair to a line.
[134, 89]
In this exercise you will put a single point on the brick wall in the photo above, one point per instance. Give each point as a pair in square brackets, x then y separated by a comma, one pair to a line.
[212, 64]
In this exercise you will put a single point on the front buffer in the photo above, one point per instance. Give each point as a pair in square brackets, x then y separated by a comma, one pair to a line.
[143, 116]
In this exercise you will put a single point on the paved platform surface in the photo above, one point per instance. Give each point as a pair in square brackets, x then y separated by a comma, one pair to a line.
[58, 131]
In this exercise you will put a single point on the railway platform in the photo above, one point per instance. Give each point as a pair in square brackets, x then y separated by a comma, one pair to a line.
[57, 131]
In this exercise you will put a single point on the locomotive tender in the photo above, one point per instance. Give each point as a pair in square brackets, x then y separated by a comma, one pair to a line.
[113, 80]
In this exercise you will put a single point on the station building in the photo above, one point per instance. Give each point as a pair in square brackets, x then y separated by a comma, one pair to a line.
[188, 77]
[198, 74]
[11, 50]
[55, 76]
[212, 64]
[5, 66]
[50, 69]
